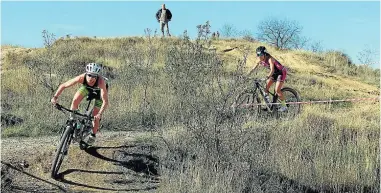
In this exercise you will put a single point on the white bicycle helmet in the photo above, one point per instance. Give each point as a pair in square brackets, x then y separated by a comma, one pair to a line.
[93, 68]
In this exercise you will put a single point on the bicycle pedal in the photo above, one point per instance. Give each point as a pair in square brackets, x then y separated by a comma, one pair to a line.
[83, 145]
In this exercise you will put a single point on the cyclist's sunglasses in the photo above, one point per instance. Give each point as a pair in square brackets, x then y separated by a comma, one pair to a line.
[92, 75]
[260, 54]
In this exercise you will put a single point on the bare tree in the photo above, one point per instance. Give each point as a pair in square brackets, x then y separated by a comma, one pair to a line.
[49, 38]
[282, 34]
[247, 35]
[229, 30]
[368, 56]
[316, 47]
[299, 42]
[203, 30]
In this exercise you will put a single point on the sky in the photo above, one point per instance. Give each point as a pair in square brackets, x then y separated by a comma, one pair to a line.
[346, 26]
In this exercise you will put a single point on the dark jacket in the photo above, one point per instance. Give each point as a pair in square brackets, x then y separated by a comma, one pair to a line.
[169, 15]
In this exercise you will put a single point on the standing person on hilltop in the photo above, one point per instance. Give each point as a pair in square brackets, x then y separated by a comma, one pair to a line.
[277, 74]
[163, 16]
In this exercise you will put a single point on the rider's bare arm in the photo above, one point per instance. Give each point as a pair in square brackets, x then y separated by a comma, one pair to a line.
[253, 69]
[69, 83]
[271, 62]
[104, 96]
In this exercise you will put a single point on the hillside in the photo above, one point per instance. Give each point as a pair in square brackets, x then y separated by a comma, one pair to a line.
[301, 63]
[175, 95]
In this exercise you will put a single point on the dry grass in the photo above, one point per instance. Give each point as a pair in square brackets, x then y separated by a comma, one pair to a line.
[179, 90]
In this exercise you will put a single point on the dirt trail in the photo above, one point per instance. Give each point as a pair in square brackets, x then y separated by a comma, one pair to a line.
[116, 163]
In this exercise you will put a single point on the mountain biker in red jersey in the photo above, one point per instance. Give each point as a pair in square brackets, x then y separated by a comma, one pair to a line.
[93, 85]
[277, 74]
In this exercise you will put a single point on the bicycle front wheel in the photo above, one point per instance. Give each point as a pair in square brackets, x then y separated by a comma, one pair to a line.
[61, 151]
[247, 104]
[291, 97]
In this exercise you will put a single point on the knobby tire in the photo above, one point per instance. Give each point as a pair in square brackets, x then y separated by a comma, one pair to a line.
[60, 152]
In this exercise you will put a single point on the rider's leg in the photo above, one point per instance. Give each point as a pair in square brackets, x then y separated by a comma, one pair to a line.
[96, 122]
[269, 82]
[78, 96]
[278, 87]
[279, 84]
[97, 106]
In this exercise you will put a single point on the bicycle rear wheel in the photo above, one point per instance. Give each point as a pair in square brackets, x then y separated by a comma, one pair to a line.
[61, 151]
[291, 96]
[247, 104]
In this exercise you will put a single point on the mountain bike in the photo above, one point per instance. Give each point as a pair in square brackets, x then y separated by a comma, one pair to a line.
[253, 100]
[75, 130]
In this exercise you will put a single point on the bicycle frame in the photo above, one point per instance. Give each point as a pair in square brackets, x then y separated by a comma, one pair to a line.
[86, 123]
[69, 132]
[253, 97]
[258, 86]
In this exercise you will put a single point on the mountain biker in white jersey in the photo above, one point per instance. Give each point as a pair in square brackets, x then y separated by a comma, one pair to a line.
[93, 85]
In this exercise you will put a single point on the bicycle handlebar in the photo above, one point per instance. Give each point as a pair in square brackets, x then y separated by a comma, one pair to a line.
[260, 79]
[61, 108]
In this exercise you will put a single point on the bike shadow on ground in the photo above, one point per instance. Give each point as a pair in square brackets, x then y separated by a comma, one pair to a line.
[61, 178]
[13, 188]
[137, 158]
[142, 164]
